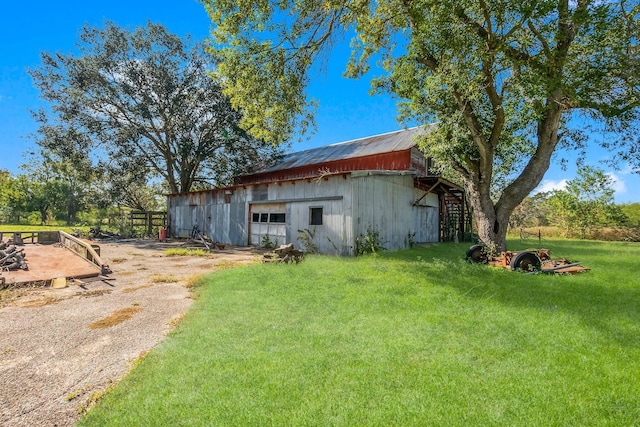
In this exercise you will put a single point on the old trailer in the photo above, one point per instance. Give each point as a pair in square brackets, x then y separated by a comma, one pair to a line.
[528, 260]
[52, 255]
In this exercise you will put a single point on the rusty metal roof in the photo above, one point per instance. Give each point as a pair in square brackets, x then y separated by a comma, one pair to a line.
[378, 144]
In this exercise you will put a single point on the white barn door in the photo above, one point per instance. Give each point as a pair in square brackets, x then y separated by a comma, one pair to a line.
[268, 221]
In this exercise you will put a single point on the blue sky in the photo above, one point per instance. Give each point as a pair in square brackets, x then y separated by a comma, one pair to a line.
[346, 110]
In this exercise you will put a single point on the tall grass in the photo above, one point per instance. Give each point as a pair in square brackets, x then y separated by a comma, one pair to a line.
[415, 337]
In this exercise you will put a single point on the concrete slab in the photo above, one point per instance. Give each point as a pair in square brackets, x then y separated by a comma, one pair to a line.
[47, 262]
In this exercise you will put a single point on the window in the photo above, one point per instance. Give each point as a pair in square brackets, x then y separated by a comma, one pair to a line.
[315, 216]
[277, 218]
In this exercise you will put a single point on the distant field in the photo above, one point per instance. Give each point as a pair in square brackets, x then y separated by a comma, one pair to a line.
[408, 338]
[611, 234]
[11, 227]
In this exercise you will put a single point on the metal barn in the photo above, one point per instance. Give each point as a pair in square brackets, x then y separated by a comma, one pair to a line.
[335, 194]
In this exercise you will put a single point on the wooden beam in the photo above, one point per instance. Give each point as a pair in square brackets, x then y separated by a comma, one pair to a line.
[427, 192]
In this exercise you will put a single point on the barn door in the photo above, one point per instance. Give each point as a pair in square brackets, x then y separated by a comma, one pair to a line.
[267, 222]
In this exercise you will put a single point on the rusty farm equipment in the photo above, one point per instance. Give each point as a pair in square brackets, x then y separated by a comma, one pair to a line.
[529, 260]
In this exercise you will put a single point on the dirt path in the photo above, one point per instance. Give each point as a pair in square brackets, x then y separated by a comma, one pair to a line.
[61, 348]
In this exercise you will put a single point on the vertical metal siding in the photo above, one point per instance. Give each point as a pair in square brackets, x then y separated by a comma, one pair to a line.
[384, 203]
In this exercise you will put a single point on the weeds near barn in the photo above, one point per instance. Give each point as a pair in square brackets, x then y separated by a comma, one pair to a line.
[186, 252]
[307, 239]
[163, 278]
[400, 338]
[267, 243]
[369, 243]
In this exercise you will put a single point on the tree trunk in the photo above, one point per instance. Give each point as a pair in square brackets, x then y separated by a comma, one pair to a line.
[491, 226]
[492, 219]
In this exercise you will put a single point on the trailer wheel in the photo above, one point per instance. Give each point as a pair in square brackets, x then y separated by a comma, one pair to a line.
[526, 261]
[477, 254]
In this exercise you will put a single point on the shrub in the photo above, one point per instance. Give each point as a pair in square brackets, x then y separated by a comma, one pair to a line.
[369, 243]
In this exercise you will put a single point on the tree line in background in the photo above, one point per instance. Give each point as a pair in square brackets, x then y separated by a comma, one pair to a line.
[51, 190]
[585, 209]
[131, 115]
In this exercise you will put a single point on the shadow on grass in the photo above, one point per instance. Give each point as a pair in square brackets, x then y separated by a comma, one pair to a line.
[610, 306]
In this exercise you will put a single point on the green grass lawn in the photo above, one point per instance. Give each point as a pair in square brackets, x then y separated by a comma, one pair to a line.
[19, 227]
[415, 337]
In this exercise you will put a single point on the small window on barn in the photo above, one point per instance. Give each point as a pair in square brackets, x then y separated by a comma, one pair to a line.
[315, 216]
[277, 218]
[264, 217]
[255, 217]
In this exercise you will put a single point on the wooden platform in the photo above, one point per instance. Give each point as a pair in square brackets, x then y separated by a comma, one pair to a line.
[46, 262]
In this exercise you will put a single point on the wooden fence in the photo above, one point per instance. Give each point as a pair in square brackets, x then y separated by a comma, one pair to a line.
[149, 221]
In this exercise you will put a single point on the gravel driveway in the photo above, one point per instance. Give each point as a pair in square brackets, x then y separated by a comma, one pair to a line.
[61, 348]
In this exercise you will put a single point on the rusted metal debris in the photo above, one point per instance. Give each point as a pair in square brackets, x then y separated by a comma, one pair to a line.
[12, 258]
[203, 241]
[529, 260]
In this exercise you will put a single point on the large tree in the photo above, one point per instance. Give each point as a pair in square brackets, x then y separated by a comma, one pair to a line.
[144, 100]
[503, 80]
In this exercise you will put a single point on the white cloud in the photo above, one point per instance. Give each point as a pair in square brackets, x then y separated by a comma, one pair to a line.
[550, 185]
[617, 184]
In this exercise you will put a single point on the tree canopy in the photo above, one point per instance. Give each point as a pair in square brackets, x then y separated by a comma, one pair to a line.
[504, 80]
[144, 104]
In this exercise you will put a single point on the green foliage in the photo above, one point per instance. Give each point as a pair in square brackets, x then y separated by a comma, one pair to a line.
[51, 187]
[336, 250]
[186, 252]
[411, 239]
[632, 212]
[406, 338]
[12, 198]
[585, 204]
[307, 237]
[116, 221]
[502, 79]
[267, 243]
[369, 243]
[143, 103]
[532, 212]
[62, 184]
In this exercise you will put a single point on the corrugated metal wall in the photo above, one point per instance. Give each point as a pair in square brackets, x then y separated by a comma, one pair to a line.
[350, 203]
[333, 195]
[222, 218]
[385, 203]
